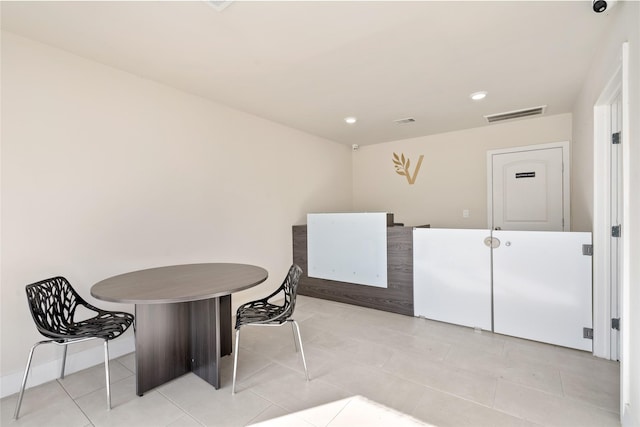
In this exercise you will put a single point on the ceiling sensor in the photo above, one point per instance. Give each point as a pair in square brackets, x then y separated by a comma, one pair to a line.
[515, 114]
[406, 121]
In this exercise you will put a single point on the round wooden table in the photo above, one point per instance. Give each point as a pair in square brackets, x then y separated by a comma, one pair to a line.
[183, 317]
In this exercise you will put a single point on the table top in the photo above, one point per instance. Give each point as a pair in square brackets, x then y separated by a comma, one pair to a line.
[179, 283]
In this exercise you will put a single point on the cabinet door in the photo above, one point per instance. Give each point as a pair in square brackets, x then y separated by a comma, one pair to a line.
[542, 287]
[452, 276]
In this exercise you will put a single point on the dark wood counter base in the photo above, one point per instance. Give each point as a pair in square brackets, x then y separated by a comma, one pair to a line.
[396, 298]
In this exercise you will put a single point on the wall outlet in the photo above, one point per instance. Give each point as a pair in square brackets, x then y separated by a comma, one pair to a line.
[465, 213]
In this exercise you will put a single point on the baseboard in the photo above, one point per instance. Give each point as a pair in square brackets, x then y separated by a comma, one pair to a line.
[629, 419]
[45, 372]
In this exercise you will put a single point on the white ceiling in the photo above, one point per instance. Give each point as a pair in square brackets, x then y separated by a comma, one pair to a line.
[310, 64]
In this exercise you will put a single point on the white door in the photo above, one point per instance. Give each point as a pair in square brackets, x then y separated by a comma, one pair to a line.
[527, 189]
[452, 276]
[542, 287]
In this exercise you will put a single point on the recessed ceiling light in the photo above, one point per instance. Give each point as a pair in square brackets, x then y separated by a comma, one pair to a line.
[350, 120]
[477, 96]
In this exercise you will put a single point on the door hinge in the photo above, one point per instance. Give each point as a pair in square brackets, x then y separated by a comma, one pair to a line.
[587, 250]
[615, 138]
[615, 323]
[587, 333]
[616, 230]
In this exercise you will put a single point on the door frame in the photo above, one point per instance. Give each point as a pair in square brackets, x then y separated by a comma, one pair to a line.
[566, 177]
[602, 216]
[601, 224]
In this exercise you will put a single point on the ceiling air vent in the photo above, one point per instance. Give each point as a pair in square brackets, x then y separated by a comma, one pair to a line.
[406, 121]
[515, 114]
[219, 5]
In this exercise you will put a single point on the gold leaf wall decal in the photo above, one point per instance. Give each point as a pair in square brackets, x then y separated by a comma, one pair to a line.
[402, 165]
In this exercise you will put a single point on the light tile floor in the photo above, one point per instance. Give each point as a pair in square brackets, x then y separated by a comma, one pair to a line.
[437, 373]
[349, 412]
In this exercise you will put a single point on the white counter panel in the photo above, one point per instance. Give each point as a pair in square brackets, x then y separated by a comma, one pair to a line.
[348, 247]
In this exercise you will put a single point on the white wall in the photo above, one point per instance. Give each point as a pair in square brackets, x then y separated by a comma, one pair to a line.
[452, 176]
[104, 172]
[625, 28]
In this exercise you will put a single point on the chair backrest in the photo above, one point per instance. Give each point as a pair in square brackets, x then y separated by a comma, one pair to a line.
[52, 303]
[290, 288]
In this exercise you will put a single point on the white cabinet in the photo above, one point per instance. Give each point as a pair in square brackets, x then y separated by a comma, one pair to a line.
[542, 287]
[533, 284]
[452, 276]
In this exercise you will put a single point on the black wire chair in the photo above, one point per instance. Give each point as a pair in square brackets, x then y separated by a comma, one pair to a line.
[53, 304]
[263, 313]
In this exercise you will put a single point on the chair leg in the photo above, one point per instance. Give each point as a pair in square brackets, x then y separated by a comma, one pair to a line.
[24, 382]
[235, 361]
[304, 362]
[64, 360]
[295, 338]
[106, 370]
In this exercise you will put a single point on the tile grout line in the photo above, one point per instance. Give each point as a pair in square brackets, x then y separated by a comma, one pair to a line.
[75, 403]
[265, 410]
[566, 398]
[339, 412]
[177, 405]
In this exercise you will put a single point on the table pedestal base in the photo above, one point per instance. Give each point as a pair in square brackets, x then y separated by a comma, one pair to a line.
[176, 338]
